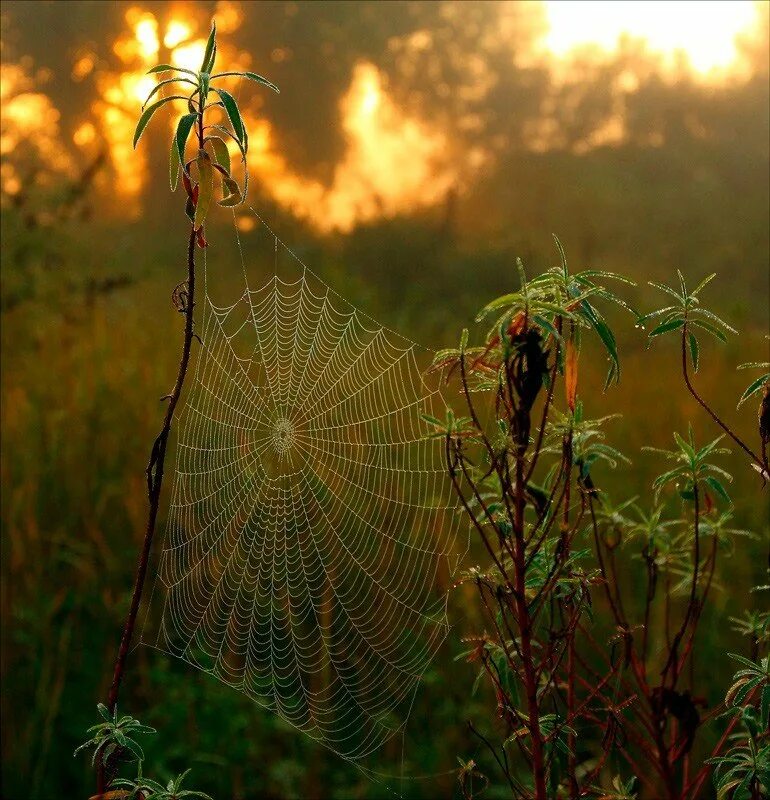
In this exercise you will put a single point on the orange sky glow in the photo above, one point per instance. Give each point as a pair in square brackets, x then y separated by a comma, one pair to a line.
[369, 179]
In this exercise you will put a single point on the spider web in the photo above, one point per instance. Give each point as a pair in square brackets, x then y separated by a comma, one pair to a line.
[312, 534]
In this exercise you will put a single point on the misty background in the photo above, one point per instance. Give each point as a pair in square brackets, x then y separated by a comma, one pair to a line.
[414, 151]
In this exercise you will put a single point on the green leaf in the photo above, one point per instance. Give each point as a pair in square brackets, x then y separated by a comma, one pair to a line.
[665, 327]
[229, 135]
[147, 116]
[205, 80]
[231, 107]
[608, 339]
[162, 84]
[718, 488]
[714, 331]
[234, 197]
[547, 326]
[712, 316]
[173, 165]
[705, 281]
[205, 190]
[221, 153]
[693, 351]
[562, 255]
[498, 302]
[210, 54]
[752, 389]
[182, 132]
[667, 290]
[169, 68]
[252, 76]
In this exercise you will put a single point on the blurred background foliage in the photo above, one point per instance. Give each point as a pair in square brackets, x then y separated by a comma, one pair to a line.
[415, 150]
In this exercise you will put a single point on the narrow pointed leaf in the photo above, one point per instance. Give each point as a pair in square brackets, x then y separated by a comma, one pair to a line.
[753, 388]
[231, 107]
[205, 80]
[182, 132]
[562, 254]
[170, 68]
[705, 281]
[608, 339]
[147, 116]
[209, 54]
[252, 76]
[173, 166]
[665, 327]
[160, 85]
[712, 329]
[221, 153]
[693, 351]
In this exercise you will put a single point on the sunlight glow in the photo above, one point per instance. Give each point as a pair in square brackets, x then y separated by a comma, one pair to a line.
[392, 162]
[176, 33]
[704, 33]
[190, 55]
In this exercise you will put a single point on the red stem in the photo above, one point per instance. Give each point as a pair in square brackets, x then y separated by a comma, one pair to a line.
[754, 457]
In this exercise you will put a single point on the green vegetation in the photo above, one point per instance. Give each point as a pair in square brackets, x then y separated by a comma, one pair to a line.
[86, 341]
[589, 678]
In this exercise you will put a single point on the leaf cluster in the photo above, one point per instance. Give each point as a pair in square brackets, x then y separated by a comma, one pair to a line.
[692, 467]
[148, 789]
[552, 298]
[743, 772]
[686, 313]
[213, 155]
[114, 736]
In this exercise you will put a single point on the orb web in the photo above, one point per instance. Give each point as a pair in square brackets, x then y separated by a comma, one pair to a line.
[311, 535]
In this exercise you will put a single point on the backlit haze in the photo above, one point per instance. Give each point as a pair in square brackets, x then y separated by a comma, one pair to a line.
[403, 135]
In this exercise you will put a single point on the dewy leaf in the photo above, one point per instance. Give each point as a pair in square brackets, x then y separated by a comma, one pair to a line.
[665, 327]
[608, 339]
[205, 80]
[233, 198]
[221, 153]
[712, 329]
[182, 132]
[160, 85]
[252, 76]
[173, 166]
[206, 183]
[752, 389]
[147, 116]
[718, 488]
[694, 351]
[209, 54]
[231, 107]
[562, 255]
[169, 68]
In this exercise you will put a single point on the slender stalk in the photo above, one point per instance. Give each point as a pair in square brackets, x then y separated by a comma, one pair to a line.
[154, 473]
[754, 457]
[530, 679]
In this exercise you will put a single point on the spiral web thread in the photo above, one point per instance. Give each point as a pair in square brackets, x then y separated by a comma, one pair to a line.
[312, 532]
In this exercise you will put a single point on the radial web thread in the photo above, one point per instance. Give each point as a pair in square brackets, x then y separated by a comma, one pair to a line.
[312, 533]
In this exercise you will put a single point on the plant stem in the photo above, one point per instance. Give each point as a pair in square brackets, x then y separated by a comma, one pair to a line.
[530, 678]
[154, 474]
[754, 457]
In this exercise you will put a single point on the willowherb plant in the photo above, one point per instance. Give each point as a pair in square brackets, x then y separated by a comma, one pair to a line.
[143, 788]
[576, 697]
[115, 736]
[690, 318]
[197, 174]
